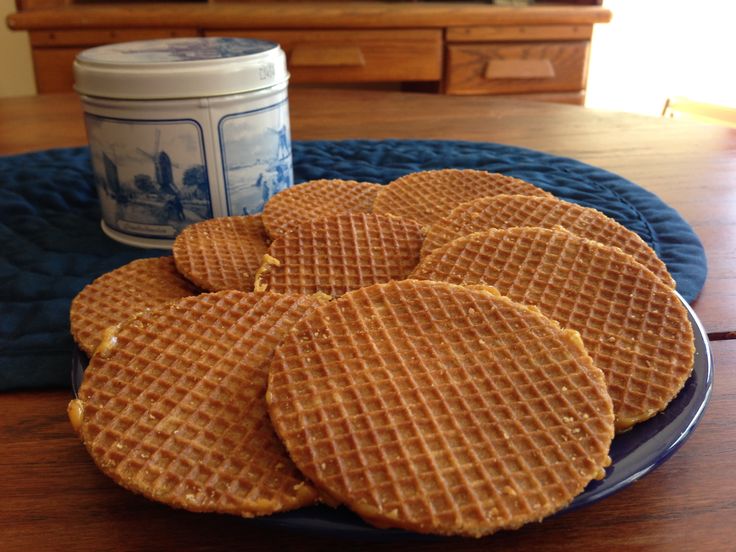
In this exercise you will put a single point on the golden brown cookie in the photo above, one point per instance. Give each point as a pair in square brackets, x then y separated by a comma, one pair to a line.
[339, 253]
[428, 196]
[316, 199]
[507, 211]
[173, 405]
[222, 253]
[118, 295]
[439, 408]
[633, 325]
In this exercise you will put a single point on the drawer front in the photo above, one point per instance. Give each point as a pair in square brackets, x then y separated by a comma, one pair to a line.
[356, 56]
[516, 68]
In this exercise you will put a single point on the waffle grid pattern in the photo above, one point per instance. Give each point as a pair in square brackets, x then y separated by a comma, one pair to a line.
[175, 410]
[440, 409]
[317, 199]
[343, 252]
[222, 253]
[122, 293]
[633, 325]
[507, 211]
[428, 196]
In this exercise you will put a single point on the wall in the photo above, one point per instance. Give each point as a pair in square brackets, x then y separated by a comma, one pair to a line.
[15, 57]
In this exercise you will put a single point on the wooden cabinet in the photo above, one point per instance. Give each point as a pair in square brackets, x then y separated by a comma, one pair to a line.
[356, 56]
[537, 52]
[516, 68]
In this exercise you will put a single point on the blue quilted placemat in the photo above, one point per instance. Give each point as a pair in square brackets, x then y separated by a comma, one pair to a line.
[52, 245]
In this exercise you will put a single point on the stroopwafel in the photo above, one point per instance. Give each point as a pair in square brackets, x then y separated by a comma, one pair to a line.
[121, 293]
[339, 253]
[633, 325]
[173, 405]
[506, 211]
[222, 253]
[439, 408]
[428, 196]
[316, 199]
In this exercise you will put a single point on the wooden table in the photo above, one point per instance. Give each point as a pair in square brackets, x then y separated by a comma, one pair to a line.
[54, 498]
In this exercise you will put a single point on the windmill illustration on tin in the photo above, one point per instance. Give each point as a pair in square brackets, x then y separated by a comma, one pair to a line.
[283, 150]
[163, 167]
[279, 165]
[112, 178]
[165, 178]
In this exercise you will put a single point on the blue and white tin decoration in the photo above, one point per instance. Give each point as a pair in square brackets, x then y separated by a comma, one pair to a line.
[181, 130]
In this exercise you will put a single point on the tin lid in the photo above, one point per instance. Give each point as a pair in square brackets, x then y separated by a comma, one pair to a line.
[179, 68]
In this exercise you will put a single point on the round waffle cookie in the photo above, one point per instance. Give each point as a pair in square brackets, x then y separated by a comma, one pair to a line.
[506, 211]
[439, 408]
[317, 199]
[222, 253]
[118, 295]
[172, 406]
[339, 253]
[633, 325]
[428, 196]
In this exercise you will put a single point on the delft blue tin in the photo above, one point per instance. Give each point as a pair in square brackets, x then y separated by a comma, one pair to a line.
[182, 130]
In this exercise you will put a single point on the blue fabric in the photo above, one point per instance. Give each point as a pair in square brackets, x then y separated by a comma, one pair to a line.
[52, 244]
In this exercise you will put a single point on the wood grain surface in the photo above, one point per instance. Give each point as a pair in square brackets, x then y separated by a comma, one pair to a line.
[53, 497]
[303, 15]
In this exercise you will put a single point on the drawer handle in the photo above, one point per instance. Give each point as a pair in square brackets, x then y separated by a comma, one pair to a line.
[519, 69]
[326, 55]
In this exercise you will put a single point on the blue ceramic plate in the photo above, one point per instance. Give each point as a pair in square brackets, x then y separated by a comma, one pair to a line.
[634, 453]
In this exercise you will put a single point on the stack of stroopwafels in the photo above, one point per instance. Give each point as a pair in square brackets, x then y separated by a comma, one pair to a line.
[450, 353]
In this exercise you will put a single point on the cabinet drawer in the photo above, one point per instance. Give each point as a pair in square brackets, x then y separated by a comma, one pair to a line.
[515, 68]
[356, 56]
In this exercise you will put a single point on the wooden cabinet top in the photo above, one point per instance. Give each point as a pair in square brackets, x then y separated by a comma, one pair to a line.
[303, 15]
